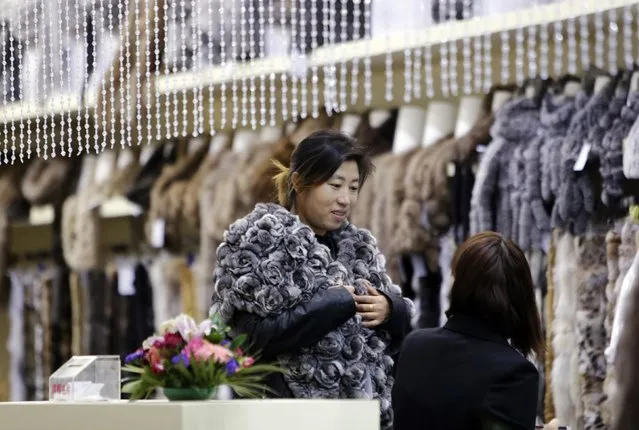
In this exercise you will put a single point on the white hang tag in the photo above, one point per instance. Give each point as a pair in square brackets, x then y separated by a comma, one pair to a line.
[146, 153]
[104, 167]
[126, 279]
[451, 169]
[125, 159]
[158, 230]
[582, 159]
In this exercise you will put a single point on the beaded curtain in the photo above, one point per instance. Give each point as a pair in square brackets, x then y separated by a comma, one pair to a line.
[87, 75]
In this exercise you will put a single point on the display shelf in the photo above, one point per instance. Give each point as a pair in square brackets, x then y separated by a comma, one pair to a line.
[213, 415]
[180, 88]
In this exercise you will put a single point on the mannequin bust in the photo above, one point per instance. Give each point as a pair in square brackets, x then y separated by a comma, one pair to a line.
[244, 139]
[499, 98]
[409, 129]
[270, 134]
[377, 117]
[350, 122]
[467, 115]
[440, 122]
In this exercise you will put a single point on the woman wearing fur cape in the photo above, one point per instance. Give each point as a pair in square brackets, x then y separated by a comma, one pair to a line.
[310, 289]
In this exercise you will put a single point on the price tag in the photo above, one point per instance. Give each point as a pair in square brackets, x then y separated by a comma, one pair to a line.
[451, 170]
[582, 159]
[126, 279]
[157, 233]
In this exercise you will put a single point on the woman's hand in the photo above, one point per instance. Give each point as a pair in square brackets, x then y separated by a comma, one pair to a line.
[374, 308]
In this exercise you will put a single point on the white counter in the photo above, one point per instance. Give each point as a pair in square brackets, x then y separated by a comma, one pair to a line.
[212, 415]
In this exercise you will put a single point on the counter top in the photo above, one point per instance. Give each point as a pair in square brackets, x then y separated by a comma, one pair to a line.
[212, 415]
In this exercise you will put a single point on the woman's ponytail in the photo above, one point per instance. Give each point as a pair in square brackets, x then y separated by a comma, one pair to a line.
[283, 184]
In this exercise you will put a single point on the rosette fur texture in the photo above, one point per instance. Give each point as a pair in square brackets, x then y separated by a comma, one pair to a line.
[270, 262]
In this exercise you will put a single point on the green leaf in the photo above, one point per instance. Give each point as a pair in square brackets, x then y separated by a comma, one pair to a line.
[131, 387]
[133, 369]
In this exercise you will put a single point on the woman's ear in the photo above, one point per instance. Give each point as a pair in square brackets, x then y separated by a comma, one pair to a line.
[295, 182]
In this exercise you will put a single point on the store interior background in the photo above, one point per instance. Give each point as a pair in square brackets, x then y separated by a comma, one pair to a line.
[132, 133]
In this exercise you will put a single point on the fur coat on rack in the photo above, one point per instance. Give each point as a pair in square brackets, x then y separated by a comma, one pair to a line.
[271, 263]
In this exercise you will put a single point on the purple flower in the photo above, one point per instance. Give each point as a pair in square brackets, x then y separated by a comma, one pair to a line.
[180, 358]
[232, 366]
[134, 356]
[225, 342]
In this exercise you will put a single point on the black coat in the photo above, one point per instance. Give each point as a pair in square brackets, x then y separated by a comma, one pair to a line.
[459, 377]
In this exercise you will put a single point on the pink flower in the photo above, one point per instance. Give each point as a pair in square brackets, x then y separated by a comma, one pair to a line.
[248, 362]
[172, 340]
[155, 359]
[203, 350]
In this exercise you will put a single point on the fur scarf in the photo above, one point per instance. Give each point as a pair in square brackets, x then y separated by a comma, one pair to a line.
[270, 262]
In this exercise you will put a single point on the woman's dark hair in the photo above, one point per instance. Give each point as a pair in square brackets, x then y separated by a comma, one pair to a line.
[492, 282]
[315, 160]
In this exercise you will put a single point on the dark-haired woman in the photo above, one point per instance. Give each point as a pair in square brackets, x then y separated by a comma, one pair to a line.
[473, 373]
[310, 289]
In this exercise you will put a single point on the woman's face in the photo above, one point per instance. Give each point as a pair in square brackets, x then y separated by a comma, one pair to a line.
[326, 207]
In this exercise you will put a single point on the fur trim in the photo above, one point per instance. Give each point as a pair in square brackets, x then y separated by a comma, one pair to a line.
[625, 412]
[251, 275]
[44, 180]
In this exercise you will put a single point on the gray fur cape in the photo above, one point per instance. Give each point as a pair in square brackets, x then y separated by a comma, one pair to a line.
[270, 262]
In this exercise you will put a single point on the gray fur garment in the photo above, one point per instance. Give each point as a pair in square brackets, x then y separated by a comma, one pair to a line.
[270, 262]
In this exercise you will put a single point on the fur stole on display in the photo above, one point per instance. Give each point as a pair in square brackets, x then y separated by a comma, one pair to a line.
[270, 262]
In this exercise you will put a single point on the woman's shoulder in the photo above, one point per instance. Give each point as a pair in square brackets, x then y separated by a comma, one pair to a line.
[270, 217]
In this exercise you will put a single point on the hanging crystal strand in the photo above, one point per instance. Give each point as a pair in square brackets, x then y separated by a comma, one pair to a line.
[284, 75]
[198, 89]
[244, 57]
[61, 84]
[519, 56]
[408, 76]
[294, 55]
[20, 86]
[467, 62]
[303, 49]
[70, 131]
[326, 37]
[89, 101]
[184, 69]
[428, 71]
[599, 40]
[271, 77]
[488, 62]
[12, 59]
[252, 56]
[452, 51]
[544, 51]
[314, 74]
[505, 57]
[222, 14]
[176, 102]
[139, 52]
[84, 100]
[52, 83]
[368, 74]
[27, 49]
[417, 61]
[531, 34]
[261, 12]
[357, 15]
[613, 42]
[234, 54]
[156, 70]
[627, 37]
[558, 61]
[111, 86]
[45, 85]
[170, 99]
[477, 64]
[122, 71]
[127, 78]
[24, 37]
[5, 95]
[443, 54]
[584, 43]
[36, 47]
[79, 115]
[572, 46]
[343, 71]
[210, 61]
[148, 10]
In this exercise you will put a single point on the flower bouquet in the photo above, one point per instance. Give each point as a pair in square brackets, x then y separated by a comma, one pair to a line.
[189, 361]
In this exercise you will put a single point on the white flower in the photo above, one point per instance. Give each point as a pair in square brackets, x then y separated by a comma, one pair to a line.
[205, 327]
[148, 343]
[186, 326]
